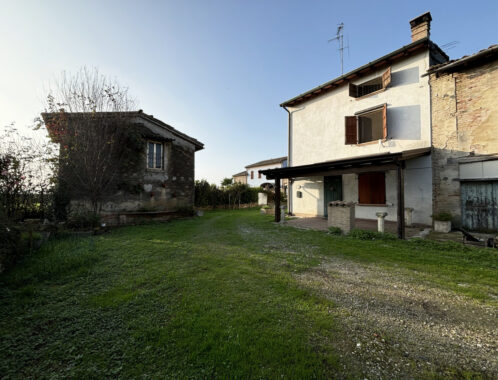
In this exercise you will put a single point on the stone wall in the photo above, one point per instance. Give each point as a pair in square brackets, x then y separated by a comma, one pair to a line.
[464, 122]
[164, 190]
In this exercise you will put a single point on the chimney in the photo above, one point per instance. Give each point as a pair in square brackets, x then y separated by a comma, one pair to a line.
[421, 26]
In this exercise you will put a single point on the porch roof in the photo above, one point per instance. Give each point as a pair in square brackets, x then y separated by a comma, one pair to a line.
[352, 165]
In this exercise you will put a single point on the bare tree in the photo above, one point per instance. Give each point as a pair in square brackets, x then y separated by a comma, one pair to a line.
[91, 118]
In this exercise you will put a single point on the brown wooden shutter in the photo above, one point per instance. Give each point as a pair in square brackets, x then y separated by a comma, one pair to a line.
[351, 130]
[386, 78]
[372, 188]
[353, 90]
[252, 174]
[384, 122]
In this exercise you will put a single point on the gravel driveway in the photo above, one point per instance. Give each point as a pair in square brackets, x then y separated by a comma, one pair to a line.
[392, 325]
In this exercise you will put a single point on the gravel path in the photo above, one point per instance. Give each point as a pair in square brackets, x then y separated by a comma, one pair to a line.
[393, 326]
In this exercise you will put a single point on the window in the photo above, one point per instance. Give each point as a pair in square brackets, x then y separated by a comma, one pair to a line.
[154, 155]
[259, 174]
[372, 188]
[366, 126]
[252, 174]
[371, 86]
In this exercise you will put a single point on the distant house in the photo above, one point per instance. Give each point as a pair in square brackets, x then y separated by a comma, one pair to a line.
[240, 177]
[165, 177]
[254, 178]
[410, 131]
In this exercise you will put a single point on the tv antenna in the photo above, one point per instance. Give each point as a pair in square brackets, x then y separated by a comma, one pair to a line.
[340, 38]
[450, 45]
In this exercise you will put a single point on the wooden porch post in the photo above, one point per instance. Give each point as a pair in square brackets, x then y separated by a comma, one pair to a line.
[401, 200]
[277, 199]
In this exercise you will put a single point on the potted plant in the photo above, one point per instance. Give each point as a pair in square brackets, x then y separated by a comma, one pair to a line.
[442, 222]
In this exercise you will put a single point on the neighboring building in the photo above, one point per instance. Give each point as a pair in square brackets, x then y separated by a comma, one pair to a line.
[365, 137]
[166, 178]
[257, 179]
[240, 177]
[465, 139]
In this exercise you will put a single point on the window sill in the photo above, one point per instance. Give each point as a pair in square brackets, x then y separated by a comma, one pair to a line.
[371, 142]
[155, 170]
[372, 93]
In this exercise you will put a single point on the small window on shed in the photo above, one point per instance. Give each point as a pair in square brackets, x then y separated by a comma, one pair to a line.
[154, 155]
[371, 86]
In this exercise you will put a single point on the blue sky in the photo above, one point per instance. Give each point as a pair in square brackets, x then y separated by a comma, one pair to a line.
[217, 70]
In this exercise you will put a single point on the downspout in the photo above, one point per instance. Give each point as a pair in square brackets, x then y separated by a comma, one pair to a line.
[289, 162]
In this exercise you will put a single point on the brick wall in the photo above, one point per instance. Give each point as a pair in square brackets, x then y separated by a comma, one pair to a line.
[464, 120]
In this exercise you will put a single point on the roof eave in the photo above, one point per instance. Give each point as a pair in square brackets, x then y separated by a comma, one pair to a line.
[343, 79]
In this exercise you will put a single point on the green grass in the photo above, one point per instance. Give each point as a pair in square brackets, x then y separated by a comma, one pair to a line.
[209, 297]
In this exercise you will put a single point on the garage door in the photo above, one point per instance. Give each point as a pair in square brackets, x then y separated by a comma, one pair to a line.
[480, 205]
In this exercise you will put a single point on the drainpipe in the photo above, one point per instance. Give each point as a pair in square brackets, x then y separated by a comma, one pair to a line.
[289, 162]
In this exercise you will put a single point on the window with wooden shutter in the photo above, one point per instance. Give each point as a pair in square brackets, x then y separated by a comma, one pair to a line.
[353, 90]
[372, 188]
[351, 130]
[252, 174]
[386, 78]
[384, 122]
[372, 86]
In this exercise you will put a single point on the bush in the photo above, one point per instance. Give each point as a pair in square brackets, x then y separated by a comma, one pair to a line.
[83, 219]
[209, 195]
[443, 217]
[335, 231]
[11, 247]
[370, 235]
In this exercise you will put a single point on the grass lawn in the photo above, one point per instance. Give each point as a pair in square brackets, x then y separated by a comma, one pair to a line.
[216, 296]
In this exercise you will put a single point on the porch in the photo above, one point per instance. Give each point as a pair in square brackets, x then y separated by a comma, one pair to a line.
[313, 182]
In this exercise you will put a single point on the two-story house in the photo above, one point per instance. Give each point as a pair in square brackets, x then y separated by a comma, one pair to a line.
[365, 137]
[253, 176]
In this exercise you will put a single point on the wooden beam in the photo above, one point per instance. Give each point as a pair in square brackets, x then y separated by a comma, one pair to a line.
[401, 200]
[277, 199]
[350, 170]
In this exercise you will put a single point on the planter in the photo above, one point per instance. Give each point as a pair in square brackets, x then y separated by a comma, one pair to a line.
[442, 226]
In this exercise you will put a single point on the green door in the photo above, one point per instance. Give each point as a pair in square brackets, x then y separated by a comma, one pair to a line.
[332, 190]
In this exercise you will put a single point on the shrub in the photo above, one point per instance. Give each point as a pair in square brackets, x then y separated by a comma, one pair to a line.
[11, 247]
[335, 231]
[83, 219]
[443, 217]
[370, 235]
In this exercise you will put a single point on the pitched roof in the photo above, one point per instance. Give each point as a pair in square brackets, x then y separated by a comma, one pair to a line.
[140, 114]
[268, 162]
[484, 54]
[360, 71]
[244, 173]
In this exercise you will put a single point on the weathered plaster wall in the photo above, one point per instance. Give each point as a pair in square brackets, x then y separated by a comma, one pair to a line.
[464, 120]
[318, 135]
[418, 193]
[318, 130]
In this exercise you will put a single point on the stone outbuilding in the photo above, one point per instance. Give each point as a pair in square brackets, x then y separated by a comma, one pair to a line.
[165, 174]
[464, 95]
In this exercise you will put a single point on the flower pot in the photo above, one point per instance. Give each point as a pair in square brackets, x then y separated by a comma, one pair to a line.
[442, 226]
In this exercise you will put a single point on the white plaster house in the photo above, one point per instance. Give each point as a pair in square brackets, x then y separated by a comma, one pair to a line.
[365, 137]
[255, 178]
